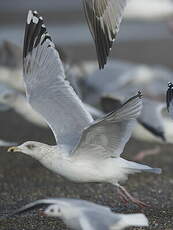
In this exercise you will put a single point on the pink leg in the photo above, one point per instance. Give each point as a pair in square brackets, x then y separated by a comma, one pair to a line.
[141, 155]
[128, 197]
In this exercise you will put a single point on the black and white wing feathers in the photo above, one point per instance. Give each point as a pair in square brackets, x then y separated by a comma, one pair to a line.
[47, 90]
[104, 18]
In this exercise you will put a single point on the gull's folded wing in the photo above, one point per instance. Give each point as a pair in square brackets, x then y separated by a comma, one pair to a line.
[104, 18]
[109, 135]
[47, 90]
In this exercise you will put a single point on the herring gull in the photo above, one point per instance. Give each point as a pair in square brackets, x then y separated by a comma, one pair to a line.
[86, 150]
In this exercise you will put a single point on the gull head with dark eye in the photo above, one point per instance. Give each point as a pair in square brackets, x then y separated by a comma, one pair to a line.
[53, 211]
[32, 148]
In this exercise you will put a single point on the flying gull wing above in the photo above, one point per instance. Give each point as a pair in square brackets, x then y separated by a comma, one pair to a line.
[104, 18]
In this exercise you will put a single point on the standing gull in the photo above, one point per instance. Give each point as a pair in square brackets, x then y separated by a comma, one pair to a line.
[81, 214]
[86, 151]
[104, 18]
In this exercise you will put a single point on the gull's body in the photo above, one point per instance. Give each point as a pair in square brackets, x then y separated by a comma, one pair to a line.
[86, 150]
[85, 215]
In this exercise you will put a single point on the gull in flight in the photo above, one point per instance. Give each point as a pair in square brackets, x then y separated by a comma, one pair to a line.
[86, 150]
[104, 18]
[81, 214]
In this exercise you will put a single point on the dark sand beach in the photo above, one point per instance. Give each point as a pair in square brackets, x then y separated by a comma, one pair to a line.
[23, 179]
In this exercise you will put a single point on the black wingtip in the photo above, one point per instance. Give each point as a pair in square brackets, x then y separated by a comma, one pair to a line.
[170, 85]
[169, 95]
[34, 30]
[139, 94]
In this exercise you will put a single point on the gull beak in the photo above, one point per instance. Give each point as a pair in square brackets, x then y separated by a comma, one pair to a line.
[13, 149]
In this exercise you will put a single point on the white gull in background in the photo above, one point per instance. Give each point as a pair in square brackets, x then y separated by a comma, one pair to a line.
[149, 10]
[122, 77]
[86, 151]
[151, 117]
[4, 143]
[81, 214]
[13, 99]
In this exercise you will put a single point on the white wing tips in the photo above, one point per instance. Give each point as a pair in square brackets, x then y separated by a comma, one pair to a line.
[35, 32]
[169, 95]
[29, 17]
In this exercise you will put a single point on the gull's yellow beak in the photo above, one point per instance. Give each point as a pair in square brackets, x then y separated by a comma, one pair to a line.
[13, 149]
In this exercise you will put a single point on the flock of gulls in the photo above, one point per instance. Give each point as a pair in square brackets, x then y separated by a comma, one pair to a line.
[89, 141]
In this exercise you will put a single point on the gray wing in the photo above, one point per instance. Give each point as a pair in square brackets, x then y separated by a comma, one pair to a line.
[82, 204]
[97, 220]
[34, 205]
[47, 90]
[151, 117]
[104, 18]
[111, 133]
[169, 99]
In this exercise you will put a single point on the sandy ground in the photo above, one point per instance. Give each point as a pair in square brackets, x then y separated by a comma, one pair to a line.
[23, 180]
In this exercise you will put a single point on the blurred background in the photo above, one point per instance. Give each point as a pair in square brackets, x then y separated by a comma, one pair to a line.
[145, 34]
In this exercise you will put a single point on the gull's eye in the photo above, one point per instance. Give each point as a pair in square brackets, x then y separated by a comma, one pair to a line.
[30, 146]
[51, 210]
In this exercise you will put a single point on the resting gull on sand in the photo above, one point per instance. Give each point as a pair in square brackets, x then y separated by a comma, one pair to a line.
[86, 150]
[81, 214]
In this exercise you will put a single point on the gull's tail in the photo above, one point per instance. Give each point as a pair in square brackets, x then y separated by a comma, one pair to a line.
[134, 167]
[127, 220]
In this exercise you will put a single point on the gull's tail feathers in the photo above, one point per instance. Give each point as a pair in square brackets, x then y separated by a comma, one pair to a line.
[127, 220]
[134, 167]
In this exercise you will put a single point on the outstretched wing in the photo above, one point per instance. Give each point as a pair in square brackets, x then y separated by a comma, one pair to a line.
[47, 90]
[108, 137]
[104, 18]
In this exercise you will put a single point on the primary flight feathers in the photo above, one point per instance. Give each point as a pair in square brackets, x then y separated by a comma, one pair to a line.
[47, 90]
[104, 18]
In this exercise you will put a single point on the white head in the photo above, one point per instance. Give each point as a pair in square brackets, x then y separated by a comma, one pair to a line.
[54, 210]
[62, 210]
[32, 148]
